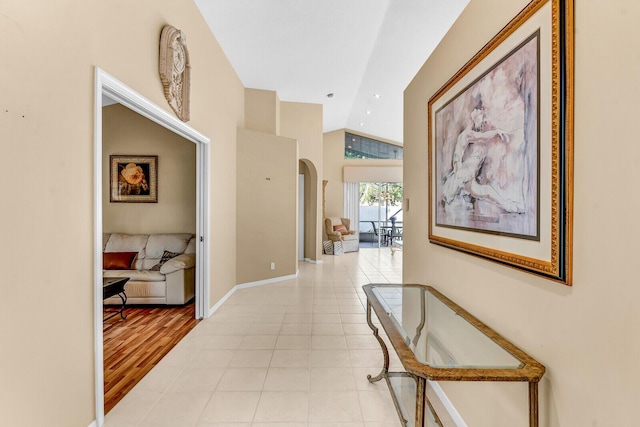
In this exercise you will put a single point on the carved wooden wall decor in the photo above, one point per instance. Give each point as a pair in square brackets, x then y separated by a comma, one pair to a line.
[175, 70]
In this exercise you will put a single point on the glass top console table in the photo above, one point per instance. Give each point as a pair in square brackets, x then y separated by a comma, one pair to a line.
[437, 340]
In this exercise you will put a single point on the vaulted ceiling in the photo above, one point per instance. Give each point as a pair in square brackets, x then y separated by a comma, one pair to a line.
[363, 52]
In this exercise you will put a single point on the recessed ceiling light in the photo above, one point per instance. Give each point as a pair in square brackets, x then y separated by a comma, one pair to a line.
[330, 95]
[368, 112]
[361, 124]
[377, 96]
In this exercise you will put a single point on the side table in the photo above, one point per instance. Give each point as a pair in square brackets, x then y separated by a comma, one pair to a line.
[437, 340]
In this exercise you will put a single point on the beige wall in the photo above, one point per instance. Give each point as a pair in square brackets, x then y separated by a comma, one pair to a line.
[262, 111]
[126, 132]
[303, 122]
[360, 173]
[267, 119]
[266, 206]
[586, 335]
[46, 213]
[334, 164]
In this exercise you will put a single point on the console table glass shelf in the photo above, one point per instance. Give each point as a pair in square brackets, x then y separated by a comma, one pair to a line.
[437, 340]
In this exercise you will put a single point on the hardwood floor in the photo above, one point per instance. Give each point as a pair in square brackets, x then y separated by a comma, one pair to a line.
[135, 345]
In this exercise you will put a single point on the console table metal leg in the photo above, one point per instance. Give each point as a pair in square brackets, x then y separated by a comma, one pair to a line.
[385, 352]
[533, 404]
[421, 394]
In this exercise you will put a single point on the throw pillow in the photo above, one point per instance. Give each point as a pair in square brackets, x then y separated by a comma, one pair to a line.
[341, 229]
[166, 256]
[118, 260]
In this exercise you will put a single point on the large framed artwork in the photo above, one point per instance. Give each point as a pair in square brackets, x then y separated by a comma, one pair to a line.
[501, 147]
[133, 179]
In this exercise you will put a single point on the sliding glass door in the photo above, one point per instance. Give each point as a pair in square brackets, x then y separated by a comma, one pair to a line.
[380, 213]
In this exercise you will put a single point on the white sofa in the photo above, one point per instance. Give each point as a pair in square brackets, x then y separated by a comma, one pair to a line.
[173, 283]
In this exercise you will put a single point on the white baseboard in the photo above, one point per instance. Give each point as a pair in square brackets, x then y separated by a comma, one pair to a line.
[267, 281]
[221, 301]
[250, 285]
[94, 424]
[314, 261]
[453, 413]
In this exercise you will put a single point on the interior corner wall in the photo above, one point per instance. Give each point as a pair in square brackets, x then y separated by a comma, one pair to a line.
[266, 206]
[333, 143]
[47, 129]
[335, 163]
[262, 111]
[127, 132]
[586, 335]
[304, 122]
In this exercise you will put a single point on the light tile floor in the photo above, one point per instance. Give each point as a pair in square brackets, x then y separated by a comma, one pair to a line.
[294, 353]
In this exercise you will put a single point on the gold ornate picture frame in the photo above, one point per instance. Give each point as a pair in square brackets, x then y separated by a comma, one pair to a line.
[133, 179]
[501, 147]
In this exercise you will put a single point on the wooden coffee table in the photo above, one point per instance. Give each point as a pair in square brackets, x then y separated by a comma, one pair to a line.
[114, 286]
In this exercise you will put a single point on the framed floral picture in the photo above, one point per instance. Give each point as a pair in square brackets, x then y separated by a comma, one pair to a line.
[501, 147]
[133, 179]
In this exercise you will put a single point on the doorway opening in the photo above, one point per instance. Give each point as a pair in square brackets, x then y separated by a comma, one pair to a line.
[301, 227]
[308, 211]
[380, 213]
[108, 87]
[160, 307]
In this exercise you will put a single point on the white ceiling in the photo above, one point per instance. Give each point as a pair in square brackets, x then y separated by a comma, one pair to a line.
[354, 49]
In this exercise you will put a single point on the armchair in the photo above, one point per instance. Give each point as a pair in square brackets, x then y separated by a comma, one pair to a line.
[338, 230]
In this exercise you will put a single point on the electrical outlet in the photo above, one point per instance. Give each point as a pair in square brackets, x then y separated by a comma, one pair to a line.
[273, 265]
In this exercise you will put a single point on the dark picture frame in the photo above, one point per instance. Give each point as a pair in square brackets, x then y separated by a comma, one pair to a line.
[501, 147]
[133, 179]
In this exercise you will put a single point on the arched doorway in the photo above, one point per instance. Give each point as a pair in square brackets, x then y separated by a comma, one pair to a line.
[311, 215]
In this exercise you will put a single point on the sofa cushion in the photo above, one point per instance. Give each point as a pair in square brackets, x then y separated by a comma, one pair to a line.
[350, 237]
[146, 264]
[180, 262]
[127, 243]
[158, 243]
[166, 256]
[191, 247]
[341, 229]
[105, 239]
[136, 275]
[118, 260]
[335, 220]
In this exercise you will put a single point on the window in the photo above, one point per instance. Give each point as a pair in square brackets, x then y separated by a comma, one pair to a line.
[359, 147]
